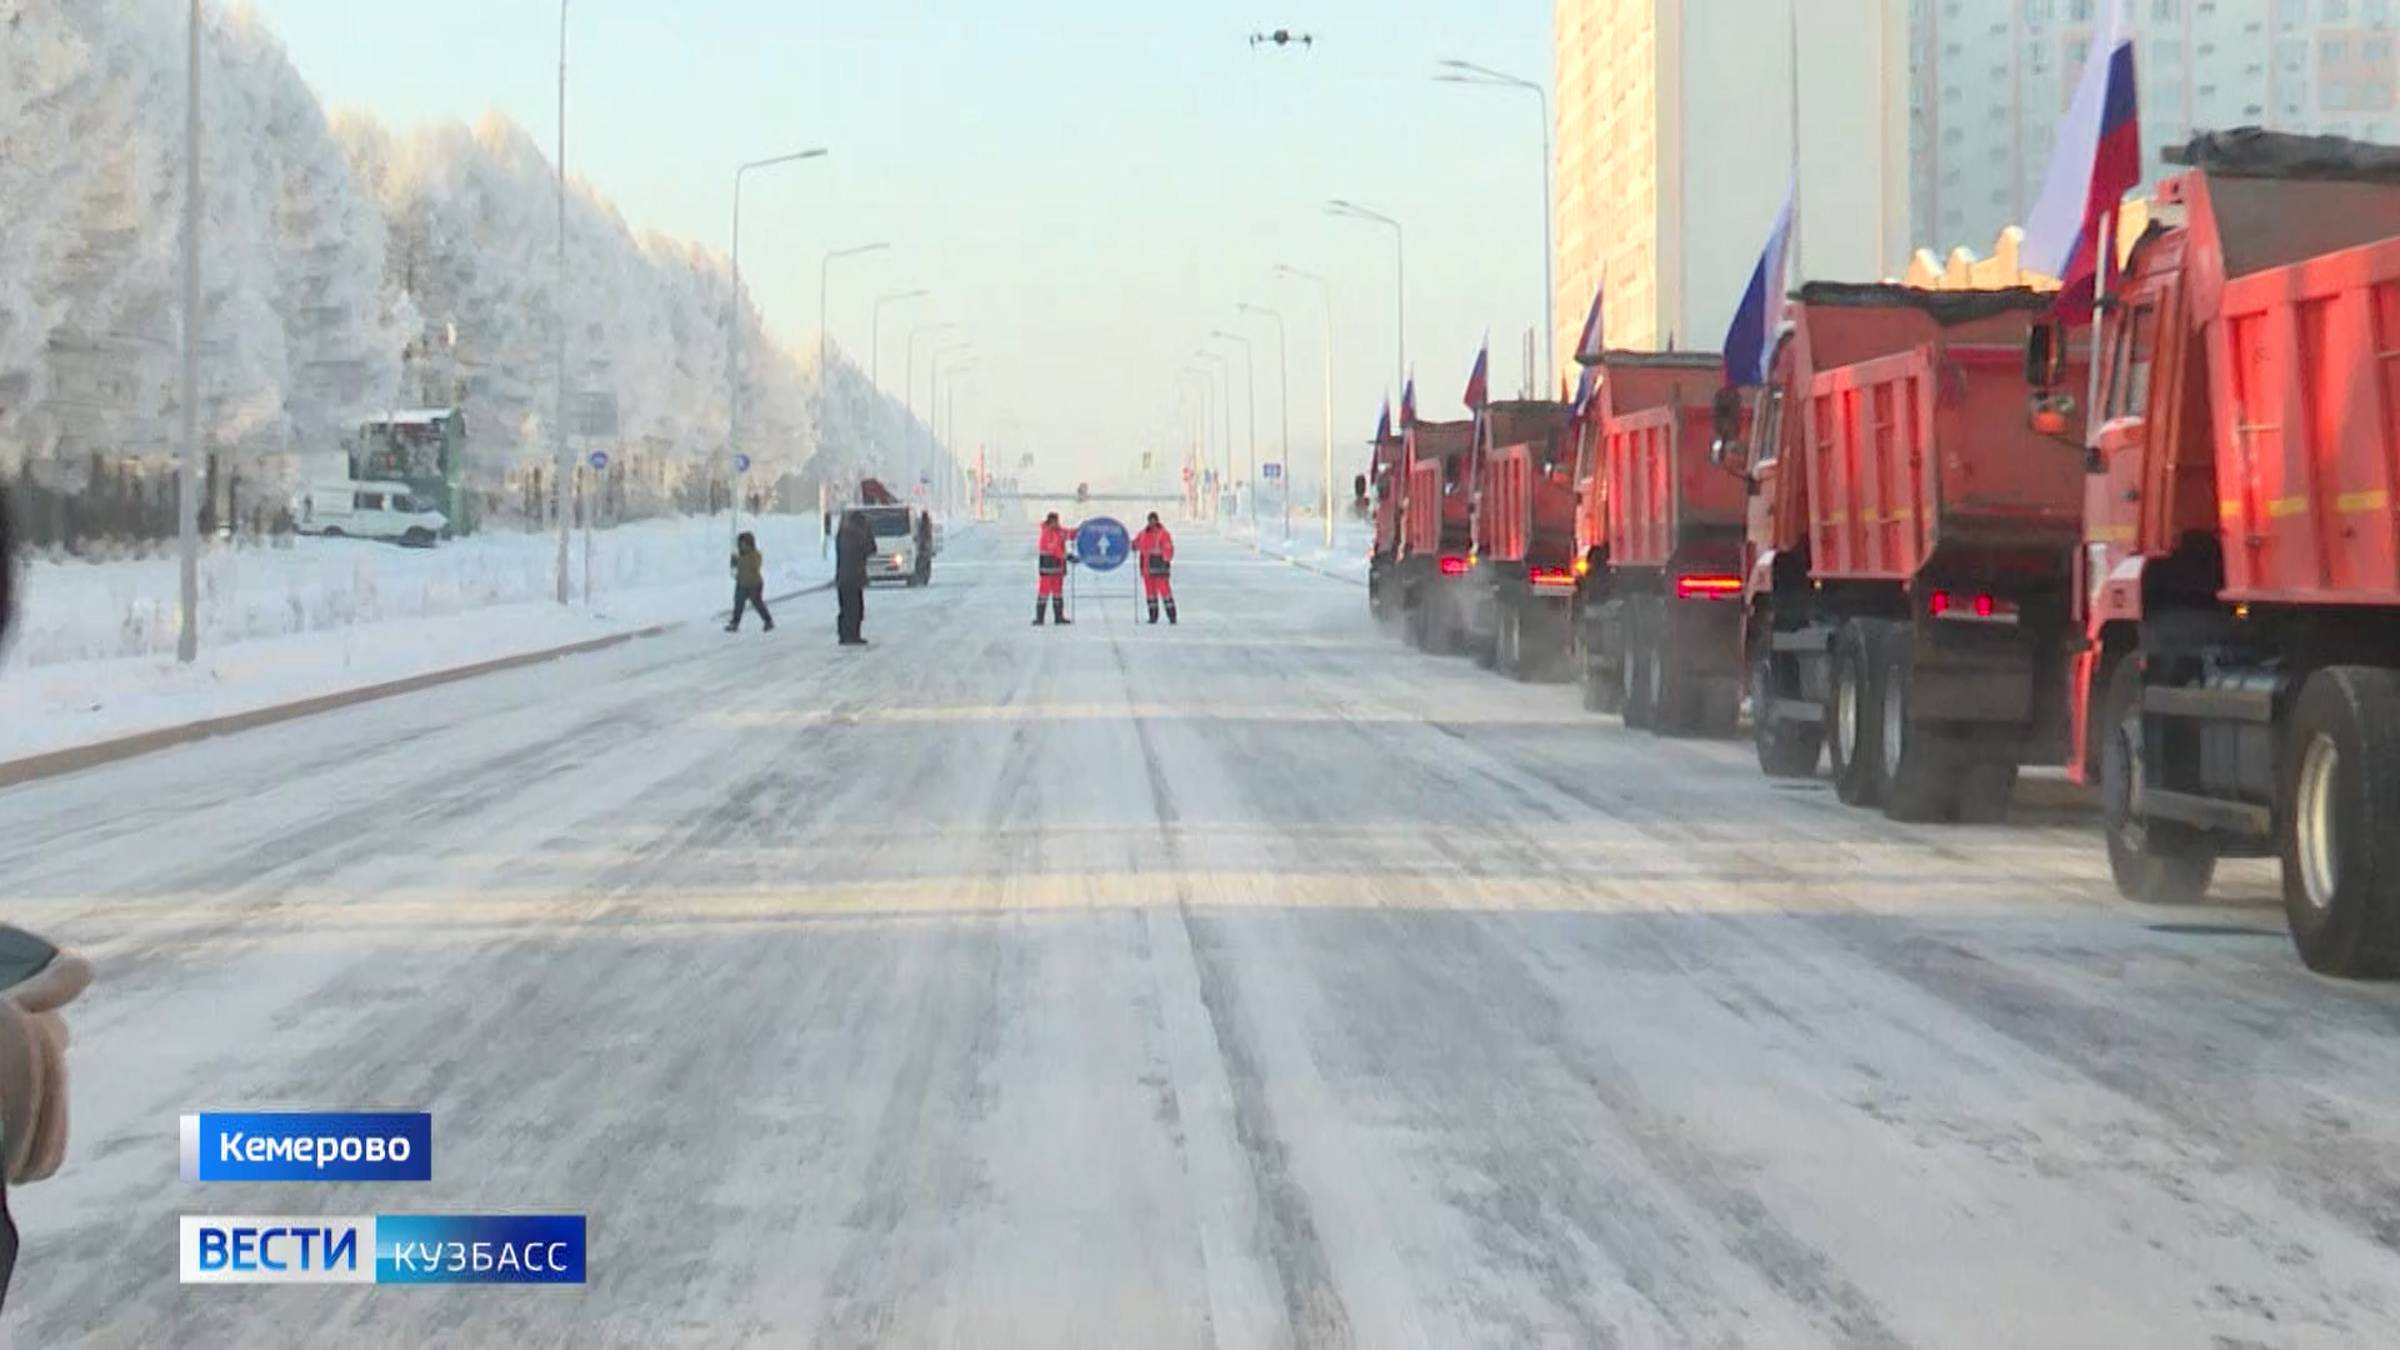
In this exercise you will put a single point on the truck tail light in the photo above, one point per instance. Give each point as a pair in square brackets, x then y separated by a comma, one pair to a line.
[1583, 567]
[1982, 605]
[1453, 565]
[1551, 576]
[1707, 586]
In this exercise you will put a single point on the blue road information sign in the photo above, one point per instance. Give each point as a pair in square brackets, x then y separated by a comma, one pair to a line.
[381, 1249]
[599, 459]
[308, 1146]
[1102, 543]
[741, 464]
[1270, 469]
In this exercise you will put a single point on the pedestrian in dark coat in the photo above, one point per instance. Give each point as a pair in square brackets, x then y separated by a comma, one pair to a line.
[749, 583]
[851, 549]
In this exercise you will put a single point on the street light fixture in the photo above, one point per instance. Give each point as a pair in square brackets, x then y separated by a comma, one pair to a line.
[1467, 72]
[733, 341]
[1353, 211]
[933, 404]
[1250, 393]
[1283, 384]
[1199, 460]
[1325, 289]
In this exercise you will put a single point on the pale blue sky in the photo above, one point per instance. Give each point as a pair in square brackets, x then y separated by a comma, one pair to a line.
[1087, 187]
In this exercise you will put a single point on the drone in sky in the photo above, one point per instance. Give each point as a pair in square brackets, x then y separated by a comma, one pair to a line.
[1284, 37]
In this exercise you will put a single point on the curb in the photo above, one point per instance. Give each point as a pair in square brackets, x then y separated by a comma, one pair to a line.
[52, 763]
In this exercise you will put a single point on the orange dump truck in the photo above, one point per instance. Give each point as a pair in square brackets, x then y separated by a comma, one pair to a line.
[1434, 523]
[1517, 601]
[2238, 683]
[1387, 482]
[1659, 535]
[1910, 549]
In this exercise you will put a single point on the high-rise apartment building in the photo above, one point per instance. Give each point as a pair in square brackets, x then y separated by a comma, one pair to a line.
[1921, 124]
[1991, 78]
[1676, 143]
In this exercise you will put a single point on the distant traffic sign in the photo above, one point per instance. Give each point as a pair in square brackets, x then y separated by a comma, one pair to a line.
[1102, 543]
[741, 464]
[1270, 469]
[599, 459]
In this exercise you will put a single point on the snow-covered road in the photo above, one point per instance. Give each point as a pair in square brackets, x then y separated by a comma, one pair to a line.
[1252, 982]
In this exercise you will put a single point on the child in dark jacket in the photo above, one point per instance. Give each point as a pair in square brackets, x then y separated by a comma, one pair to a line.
[749, 583]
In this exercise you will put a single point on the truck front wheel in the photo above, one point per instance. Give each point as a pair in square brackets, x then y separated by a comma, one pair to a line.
[1785, 749]
[1857, 741]
[2341, 793]
[2155, 862]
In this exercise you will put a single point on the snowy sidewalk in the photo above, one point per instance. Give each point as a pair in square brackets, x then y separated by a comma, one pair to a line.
[1305, 547]
[329, 617]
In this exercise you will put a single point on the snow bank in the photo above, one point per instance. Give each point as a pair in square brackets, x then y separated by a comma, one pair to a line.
[1306, 545]
[96, 658]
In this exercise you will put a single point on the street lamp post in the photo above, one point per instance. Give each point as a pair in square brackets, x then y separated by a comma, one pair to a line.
[1354, 211]
[875, 349]
[1326, 291]
[1199, 459]
[824, 282]
[1467, 72]
[908, 395]
[187, 468]
[1283, 398]
[934, 434]
[950, 473]
[733, 340]
[1224, 365]
[1250, 392]
[564, 464]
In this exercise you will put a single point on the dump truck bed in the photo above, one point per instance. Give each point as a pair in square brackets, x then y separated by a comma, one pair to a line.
[1919, 457]
[1655, 490]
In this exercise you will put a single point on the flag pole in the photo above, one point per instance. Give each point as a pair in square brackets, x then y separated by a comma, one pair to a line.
[2103, 240]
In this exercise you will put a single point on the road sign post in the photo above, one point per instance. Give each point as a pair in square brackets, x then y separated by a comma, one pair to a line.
[1102, 543]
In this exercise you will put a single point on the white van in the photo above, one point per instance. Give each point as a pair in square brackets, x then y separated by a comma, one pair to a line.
[368, 510]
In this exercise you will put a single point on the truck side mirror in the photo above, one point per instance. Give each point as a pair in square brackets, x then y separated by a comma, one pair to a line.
[1726, 450]
[2045, 354]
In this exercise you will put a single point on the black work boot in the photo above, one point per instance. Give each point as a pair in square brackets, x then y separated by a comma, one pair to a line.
[1058, 611]
[1037, 611]
[1170, 611]
[1154, 611]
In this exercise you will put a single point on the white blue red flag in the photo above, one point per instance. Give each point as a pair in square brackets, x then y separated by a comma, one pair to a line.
[1408, 402]
[1752, 334]
[1589, 346]
[2096, 161]
[1383, 424]
[1479, 391]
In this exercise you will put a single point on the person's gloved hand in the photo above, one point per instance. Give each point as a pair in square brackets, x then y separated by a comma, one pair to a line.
[33, 1068]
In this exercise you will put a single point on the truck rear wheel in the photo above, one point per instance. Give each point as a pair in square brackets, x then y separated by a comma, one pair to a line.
[1511, 644]
[2341, 793]
[2158, 862]
[1413, 619]
[1634, 670]
[1603, 686]
[1785, 749]
[1675, 696]
[1913, 765]
[1856, 743]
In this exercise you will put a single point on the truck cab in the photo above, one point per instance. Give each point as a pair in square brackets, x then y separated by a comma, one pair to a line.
[2237, 686]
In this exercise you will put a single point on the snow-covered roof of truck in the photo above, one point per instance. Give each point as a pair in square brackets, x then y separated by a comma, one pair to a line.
[1943, 307]
[2253, 152]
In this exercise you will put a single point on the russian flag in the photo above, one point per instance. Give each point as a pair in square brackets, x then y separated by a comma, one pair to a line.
[1383, 424]
[1586, 385]
[2096, 161]
[1589, 346]
[1479, 379]
[1408, 401]
[1752, 334]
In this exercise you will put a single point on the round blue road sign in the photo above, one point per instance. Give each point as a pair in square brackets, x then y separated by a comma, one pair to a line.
[599, 459]
[741, 464]
[1102, 543]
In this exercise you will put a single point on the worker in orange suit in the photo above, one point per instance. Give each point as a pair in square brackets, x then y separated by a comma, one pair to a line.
[1051, 561]
[1156, 548]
